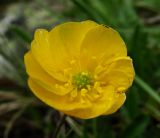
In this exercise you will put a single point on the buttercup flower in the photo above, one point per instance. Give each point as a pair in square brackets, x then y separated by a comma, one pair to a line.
[79, 68]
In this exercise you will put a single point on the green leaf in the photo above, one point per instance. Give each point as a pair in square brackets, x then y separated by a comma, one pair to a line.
[136, 127]
[151, 92]
[23, 34]
[133, 102]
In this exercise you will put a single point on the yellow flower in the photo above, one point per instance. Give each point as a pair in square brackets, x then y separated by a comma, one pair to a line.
[80, 68]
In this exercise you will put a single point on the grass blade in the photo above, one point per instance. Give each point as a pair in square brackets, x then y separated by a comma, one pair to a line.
[147, 89]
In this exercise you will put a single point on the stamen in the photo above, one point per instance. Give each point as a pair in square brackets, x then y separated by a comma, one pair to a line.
[74, 93]
[83, 92]
[72, 62]
[82, 80]
[121, 90]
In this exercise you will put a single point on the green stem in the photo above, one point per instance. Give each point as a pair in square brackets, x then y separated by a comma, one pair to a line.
[62, 121]
[94, 125]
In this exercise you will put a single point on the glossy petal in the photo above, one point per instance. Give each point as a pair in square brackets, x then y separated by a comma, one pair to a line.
[40, 49]
[119, 101]
[38, 73]
[119, 73]
[98, 107]
[103, 44]
[55, 101]
[68, 36]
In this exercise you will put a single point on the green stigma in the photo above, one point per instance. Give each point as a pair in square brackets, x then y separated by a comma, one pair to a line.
[82, 80]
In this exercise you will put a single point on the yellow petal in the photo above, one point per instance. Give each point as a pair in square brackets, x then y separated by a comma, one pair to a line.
[55, 50]
[98, 107]
[119, 101]
[123, 64]
[43, 78]
[36, 71]
[40, 49]
[119, 73]
[102, 43]
[53, 100]
[119, 80]
[68, 36]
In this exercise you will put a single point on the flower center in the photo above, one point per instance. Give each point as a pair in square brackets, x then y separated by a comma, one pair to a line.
[82, 80]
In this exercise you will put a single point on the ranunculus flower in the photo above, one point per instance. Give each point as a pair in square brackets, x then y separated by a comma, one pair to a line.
[80, 68]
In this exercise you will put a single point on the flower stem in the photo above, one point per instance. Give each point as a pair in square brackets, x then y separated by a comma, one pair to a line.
[94, 127]
[61, 122]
